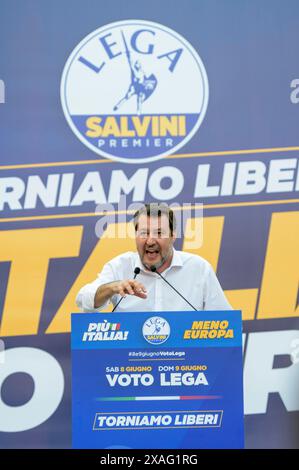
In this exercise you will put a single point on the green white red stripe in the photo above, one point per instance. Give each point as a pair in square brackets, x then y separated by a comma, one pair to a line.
[152, 398]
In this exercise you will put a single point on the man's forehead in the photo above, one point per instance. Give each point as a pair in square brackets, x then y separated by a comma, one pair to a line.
[153, 221]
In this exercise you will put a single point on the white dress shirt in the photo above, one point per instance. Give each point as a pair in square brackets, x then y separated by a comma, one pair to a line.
[190, 274]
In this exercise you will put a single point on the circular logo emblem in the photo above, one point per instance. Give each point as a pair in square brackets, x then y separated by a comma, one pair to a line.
[134, 91]
[156, 330]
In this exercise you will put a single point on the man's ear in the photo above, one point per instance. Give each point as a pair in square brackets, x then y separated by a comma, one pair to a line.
[173, 236]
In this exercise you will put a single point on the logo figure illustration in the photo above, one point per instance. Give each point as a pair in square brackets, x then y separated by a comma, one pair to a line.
[157, 329]
[141, 85]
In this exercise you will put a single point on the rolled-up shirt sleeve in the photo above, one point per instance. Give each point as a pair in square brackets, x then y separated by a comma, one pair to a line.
[86, 295]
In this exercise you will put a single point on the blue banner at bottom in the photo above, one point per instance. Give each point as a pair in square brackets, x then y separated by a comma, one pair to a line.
[168, 380]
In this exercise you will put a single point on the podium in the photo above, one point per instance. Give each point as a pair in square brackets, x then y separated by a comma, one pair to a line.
[157, 380]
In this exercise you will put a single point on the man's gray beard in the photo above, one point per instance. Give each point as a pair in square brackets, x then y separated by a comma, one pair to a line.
[157, 265]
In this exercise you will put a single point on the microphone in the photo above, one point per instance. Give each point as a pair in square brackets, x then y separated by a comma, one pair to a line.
[136, 272]
[154, 270]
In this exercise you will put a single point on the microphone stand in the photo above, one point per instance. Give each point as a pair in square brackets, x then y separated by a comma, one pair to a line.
[136, 272]
[154, 270]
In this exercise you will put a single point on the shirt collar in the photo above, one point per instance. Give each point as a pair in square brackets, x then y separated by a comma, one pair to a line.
[176, 259]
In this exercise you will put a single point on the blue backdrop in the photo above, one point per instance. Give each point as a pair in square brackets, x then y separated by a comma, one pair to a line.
[238, 74]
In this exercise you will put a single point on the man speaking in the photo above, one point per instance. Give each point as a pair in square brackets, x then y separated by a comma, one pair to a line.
[156, 277]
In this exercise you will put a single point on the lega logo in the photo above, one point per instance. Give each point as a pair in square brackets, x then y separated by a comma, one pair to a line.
[134, 91]
[156, 330]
